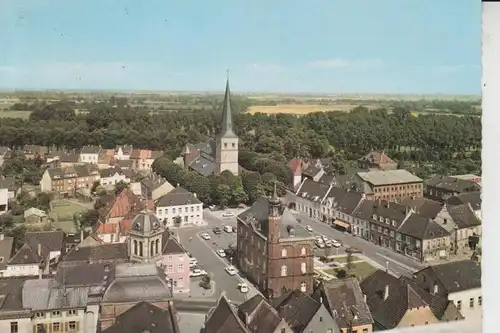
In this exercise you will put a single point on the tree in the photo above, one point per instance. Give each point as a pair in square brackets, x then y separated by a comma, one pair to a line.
[349, 262]
[120, 186]
[95, 185]
[205, 282]
[177, 221]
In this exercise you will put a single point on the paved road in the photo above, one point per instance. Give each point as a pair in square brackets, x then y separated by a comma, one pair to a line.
[397, 263]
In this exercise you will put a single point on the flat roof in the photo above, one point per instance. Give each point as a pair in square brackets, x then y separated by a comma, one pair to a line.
[381, 177]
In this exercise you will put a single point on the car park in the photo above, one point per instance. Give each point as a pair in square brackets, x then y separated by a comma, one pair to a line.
[336, 243]
[228, 228]
[321, 245]
[205, 236]
[217, 231]
[231, 270]
[328, 244]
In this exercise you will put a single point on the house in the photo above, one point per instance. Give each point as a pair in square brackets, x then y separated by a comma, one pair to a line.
[152, 319]
[10, 184]
[423, 206]
[344, 300]
[472, 198]
[151, 187]
[440, 188]
[109, 233]
[33, 151]
[179, 208]
[112, 176]
[464, 226]
[377, 160]
[215, 156]
[340, 205]
[124, 164]
[3, 154]
[35, 216]
[458, 281]
[309, 199]
[6, 251]
[223, 318]
[400, 302]
[102, 253]
[476, 179]
[304, 314]
[143, 159]
[40, 251]
[119, 207]
[423, 239]
[66, 182]
[275, 252]
[69, 159]
[4, 200]
[297, 165]
[142, 282]
[105, 158]
[389, 184]
[313, 172]
[13, 316]
[258, 315]
[90, 154]
[175, 263]
[122, 153]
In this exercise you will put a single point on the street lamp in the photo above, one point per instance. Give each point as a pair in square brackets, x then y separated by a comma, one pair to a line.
[387, 266]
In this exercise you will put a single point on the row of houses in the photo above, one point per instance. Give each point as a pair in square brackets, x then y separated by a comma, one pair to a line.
[414, 226]
[379, 302]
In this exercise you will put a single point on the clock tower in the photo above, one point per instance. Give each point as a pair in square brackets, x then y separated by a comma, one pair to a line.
[227, 141]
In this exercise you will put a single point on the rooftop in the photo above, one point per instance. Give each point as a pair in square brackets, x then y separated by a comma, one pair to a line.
[388, 177]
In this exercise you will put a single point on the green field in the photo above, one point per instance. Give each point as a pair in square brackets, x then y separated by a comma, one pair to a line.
[64, 210]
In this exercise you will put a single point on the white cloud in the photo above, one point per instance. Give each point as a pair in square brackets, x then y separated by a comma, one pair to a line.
[345, 63]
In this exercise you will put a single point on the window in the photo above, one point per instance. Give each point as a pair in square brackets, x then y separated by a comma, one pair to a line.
[283, 270]
[40, 315]
[283, 253]
[72, 326]
[40, 328]
[459, 305]
[181, 267]
[173, 210]
[365, 330]
[14, 327]
[303, 287]
[170, 268]
[185, 218]
[56, 327]
[186, 209]
[471, 303]
[56, 313]
[479, 301]
[303, 268]
[303, 251]
[320, 318]
[71, 312]
[283, 330]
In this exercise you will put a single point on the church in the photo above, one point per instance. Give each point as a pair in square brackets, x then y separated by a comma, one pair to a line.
[215, 156]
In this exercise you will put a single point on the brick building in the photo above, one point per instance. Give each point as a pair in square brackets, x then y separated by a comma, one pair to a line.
[389, 184]
[275, 252]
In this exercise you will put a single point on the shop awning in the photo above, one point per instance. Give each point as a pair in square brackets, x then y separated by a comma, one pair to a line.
[342, 224]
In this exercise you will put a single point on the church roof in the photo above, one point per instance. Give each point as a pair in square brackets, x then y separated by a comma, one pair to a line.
[227, 117]
[146, 223]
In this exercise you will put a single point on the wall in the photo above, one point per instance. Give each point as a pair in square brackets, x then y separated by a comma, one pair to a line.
[322, 321]
[89, 158]
[176, 267]
[63, 319]
[21, 270]
[194, 214]
[24, 325]
[474, 313]
[114, 179]
[46, 182]
[417, 317]
[227, 155]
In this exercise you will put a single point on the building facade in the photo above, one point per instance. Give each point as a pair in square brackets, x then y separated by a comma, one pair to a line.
[389, 184]
[179, 208]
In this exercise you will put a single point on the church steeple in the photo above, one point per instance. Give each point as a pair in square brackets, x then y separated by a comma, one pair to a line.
[227, 116]
[274, 204]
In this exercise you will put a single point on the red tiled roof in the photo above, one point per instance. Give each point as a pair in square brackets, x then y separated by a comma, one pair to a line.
[106, 228]
[122, 205]
[125, 226]
[296, 165]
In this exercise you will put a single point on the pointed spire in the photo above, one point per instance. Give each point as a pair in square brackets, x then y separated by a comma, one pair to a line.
[274, 201]
[227, 116]
[275, 196]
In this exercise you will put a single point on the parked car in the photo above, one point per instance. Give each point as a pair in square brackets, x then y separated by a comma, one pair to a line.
[231, 270]
[228, 228]
[321, 245]
[354, 249]
[309, 228]
[227, 214]
[193, 264]
[197, 273]
[205, 236]
[235, 229]
[336, 243]
[217, 230]
[243, 287]
[221, 253]
[328, 243]
[212, 208]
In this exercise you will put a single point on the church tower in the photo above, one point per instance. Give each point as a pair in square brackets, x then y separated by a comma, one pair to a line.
[227, 141]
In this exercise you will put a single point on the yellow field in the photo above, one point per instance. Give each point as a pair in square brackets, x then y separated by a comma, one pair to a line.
[15, 114]
[299, 109]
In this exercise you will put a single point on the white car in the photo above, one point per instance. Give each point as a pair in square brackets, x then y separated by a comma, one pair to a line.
[221, 253]
[227, 214]
[228, 228]
[321, 245]
[324, 238]
[336, 243]
[205, 236]
[197, 272]
[243, 287]
[309, 228]
[231, 270]
[193, 264]
[328, 243]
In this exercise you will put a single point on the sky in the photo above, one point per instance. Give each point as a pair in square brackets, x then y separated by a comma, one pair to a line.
[313, 46]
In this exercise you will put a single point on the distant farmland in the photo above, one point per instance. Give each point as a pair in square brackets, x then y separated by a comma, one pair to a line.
[301, 109]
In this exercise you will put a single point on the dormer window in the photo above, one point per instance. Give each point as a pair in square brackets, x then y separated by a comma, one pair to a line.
[374, 217]
[393, 223]
[381, 219]
[387, 221]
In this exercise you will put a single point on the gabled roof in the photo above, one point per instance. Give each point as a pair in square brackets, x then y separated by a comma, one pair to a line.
[125, 203]
[455, 276]
[311, 190]
[388, 177]
[422, 228]
[90, 150]
[464, 216]
[25, 255]
[389, 210]
[153, 319]
[170, 244]
[224, 319]
[6, 248]
[377, 158]
[109, 172]
[472, 198]
[453, 184]
[311, 171]
[298, 309]
[401, 297]
[177, 197]
[34, 211]
[425, 207]
[262, 317]
[103, 252]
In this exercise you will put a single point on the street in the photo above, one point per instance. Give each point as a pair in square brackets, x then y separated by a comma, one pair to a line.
[396, 263]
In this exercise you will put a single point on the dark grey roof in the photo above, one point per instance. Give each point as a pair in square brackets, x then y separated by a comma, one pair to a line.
[349, 202]
[153, 182]
[401, 298]
[203, 166]
[69, 158]
[311, 171]
[422, 228]
[25, 255]
[49, 241]
[146, 223]
[6, 248]
[152, 319]
[170, 245]
[473, 198]
[177, 197]
[90, 150]
[346, 298]
[108, 172]
[455, 276]
[264, 318]
[312, 190]
[207, 149]
[45, 294]
[84, 274]
[11, 296]
[125, 163]
[104, 252]
[224, 319]
[425, 207]
[227, 130]
[464, 216]
[364, 211]
[137, 282]
[258, 217]
[298, 309]
[453, 184]
[86, 170]
[327, 179]
[388, 210]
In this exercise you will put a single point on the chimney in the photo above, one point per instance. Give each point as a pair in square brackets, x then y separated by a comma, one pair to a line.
[321, 299]
[386, 292]
[39, 250]
[435, 291]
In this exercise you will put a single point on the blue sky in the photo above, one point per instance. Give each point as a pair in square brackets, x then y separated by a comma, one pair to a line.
[347, 46]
